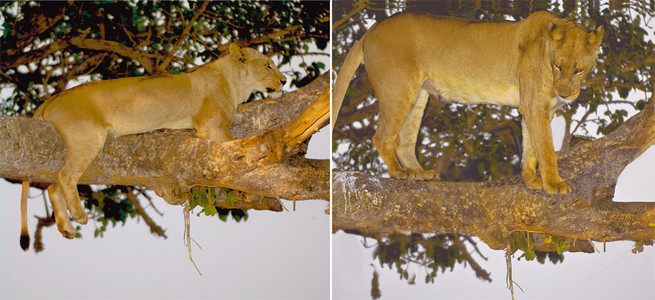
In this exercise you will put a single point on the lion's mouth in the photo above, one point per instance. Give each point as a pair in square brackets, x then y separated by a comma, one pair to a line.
[567, 100]
[274, 93]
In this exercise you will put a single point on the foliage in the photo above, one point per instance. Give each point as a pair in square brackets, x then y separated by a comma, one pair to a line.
[109, 205]
[47, 47]
[437, 253]
[205, 197]
[525, 242]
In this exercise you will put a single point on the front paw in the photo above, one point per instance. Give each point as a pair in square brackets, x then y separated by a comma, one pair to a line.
[408, 174]
[79, 216]
[558, 187]
[531, 181]
[424, 175]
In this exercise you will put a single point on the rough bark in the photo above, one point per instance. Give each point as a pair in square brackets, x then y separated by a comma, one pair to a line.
[258, 162]
[493, 210]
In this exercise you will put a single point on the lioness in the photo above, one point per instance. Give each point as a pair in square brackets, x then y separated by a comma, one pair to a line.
[537, 64]
[205, 98]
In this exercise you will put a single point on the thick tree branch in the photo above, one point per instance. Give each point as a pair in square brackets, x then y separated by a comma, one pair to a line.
[313, 119]
[493, 210]
[256, 117]
[32, 150]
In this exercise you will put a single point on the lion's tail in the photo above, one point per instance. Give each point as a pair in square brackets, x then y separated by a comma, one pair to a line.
[348, 68]
[24, 234]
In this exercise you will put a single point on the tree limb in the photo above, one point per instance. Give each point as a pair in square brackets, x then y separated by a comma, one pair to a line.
[313, 119]
[32, 150]
[182, 38]
[493, 210]
[143, 58]
[36, 24]
[154, 228]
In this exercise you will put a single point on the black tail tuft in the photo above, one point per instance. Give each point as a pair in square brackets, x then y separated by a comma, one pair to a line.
[25, 242]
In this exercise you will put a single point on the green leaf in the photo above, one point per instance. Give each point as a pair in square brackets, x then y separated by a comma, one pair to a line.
[210, 210]
[232, 198]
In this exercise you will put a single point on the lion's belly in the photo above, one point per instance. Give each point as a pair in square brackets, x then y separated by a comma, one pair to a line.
[143, 115]
[139, 125]
[474, 91]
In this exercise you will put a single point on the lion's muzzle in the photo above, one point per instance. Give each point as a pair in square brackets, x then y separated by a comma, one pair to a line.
[277, 89]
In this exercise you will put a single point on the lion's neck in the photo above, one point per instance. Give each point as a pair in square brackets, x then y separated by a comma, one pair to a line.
[223, 78]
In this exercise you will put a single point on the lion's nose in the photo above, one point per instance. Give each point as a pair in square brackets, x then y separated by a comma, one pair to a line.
[565, 91]
[270, 90]
[283, 81]
[565, 94]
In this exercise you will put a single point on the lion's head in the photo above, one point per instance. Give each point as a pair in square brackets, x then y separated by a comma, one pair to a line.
[572, 57]
[260, 72]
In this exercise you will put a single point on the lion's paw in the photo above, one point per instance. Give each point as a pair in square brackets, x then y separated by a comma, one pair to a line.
[425, 175]
[66, 229]
[559, 187]
[79, 216]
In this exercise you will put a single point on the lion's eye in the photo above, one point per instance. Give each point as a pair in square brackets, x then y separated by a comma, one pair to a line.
[558, 68]
[269, 66]
[578, 72]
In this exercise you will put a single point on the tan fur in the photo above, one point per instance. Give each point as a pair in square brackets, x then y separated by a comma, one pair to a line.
[537, 64]
[206, 99]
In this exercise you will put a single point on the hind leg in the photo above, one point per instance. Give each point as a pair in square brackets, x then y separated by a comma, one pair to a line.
[385, 138]
[406, 150]
[395, 147]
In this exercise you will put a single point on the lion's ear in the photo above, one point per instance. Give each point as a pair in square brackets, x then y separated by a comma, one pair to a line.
[555, 34]
[236, 53]
[595, 37]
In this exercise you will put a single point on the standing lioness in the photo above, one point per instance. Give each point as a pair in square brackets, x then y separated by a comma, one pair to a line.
[206, 99]
[537, 64]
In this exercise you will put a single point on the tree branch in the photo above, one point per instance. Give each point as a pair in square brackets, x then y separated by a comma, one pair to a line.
[182, 38]
[154, 228]
[492, 210]
[313, 119]
[32, 150]
[142, 58]
[36, 24]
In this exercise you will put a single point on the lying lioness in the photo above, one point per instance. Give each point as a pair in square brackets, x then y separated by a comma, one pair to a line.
[537, 64]
[205, 98]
